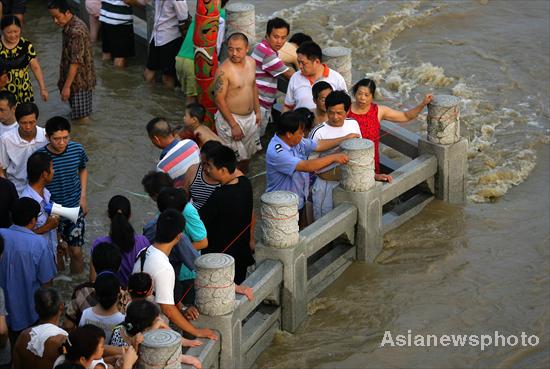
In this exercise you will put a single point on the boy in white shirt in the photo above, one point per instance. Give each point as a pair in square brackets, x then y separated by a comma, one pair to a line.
[7, 112]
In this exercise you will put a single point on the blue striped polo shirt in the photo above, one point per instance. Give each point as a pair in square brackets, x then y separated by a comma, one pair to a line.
[65, 187]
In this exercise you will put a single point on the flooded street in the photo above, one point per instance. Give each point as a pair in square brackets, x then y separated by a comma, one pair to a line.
[474, 269]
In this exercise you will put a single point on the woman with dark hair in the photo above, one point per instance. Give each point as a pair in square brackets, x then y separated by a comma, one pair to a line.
[143, 316]
[123, 235]
[368, 115]
[17, 54]
[84, 347]
[105, 314]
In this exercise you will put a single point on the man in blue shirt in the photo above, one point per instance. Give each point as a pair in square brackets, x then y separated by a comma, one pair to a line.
[27, 264]
[287, 166]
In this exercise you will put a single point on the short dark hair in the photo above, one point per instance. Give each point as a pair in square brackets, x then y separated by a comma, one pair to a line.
[61, 5]
[46, 302]
[107, 288]
[170, 224]
[277, 23]
[171, 198]
[121, 231]
[106, 256]
[9, 97]
[57, 123]
[139, 284]
[24, 210]
[26, 108]
[38, 163]
[319, 87]
[365, 82]
[289, 122]
[223, 157]
[209, 145]
[9, 20]
[196, 110]
[310, 50]
[159, 127]
[306, 117]
[338, 97]
[82, 342]
[299, 38]
[153, 182]
[140, 315]
[238, 36]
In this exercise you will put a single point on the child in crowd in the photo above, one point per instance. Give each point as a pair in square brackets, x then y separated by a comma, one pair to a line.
[140, 286]
[123, 235]
[105, 314]
[193, 123]
[320, 90]
[84, 348]
[105, 257]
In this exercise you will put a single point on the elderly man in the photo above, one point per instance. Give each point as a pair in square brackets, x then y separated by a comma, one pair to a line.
[269, 66]
[312, 69]
[236, 97]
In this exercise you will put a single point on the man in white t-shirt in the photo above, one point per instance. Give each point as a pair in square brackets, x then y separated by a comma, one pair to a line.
[312, 69]
[155, 262]
[7, 112]
[18, 144]
[337, 104]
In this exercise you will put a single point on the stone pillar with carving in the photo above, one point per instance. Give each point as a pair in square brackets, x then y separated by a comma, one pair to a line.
[281, 241]
[214, 286]
[161, 348]
[445, 143]
[357, 186]
[280, 219]
[241, 17]
[338, 58]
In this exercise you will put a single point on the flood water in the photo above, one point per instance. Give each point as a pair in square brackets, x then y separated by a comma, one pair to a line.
[471, 269]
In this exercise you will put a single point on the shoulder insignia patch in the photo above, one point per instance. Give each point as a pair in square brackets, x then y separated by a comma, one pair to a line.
[278, 148]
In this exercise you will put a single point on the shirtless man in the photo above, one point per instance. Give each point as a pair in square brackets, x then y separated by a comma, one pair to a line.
[236, 97]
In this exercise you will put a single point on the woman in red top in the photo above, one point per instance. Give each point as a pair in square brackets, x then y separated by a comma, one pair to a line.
[369, 115]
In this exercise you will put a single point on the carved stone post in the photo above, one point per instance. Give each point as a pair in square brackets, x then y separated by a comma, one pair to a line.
[339, 59]
[444, 120]
[358, 174]
[281, 240]
[241, 17]
[357, 186]
[160, 348]
[449, 148]
[280, 219]
[214, 286]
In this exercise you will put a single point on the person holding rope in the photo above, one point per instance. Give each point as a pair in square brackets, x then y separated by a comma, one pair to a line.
[227, 214]
[369, 115]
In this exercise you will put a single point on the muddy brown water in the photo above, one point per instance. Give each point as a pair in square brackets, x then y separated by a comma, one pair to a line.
[471, 269]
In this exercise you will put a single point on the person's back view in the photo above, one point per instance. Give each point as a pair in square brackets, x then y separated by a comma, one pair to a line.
[38, 347]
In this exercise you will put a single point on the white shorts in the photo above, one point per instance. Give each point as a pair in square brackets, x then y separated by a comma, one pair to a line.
[266, 118]
[321, 195]
[249, 145]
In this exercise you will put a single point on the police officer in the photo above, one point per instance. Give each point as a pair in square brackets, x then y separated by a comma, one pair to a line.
[287, 166]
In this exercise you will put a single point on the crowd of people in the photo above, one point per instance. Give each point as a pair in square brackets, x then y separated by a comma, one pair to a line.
[140, 282]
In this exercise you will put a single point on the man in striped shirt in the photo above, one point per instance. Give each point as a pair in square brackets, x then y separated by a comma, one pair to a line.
[68, 187]
[269, 66]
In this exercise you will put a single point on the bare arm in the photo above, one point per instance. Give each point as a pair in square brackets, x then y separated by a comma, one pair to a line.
[288, 73]
[324, 145]
[3, 331]
[188, 178]
[51, 223]
[2, 172]
[314, 165]
[93, 275]
[83, 174]
[66, 91]
[202, 244]
[176, 317]
[403, 116]
[37, 71]
[257, 104]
